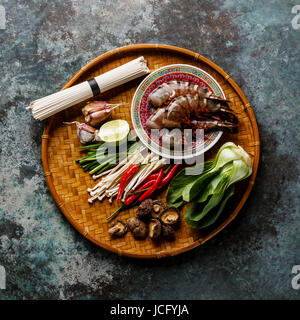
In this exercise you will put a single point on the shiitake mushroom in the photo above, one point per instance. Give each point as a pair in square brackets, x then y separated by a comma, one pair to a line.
[138, 228]
[168, 232]
[164, 221]
[117, 228]
[170, 216]
[157, 208]
[154, 228]
[144, 210]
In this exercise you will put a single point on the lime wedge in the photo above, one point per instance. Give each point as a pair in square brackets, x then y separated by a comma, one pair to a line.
[114, 131]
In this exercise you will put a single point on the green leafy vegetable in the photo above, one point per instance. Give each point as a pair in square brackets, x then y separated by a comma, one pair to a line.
[212, 216]
[180, 182]
[211, 189]
[225, 155]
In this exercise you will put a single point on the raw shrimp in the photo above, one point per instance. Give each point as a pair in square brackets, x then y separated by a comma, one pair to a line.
[183, 109]
[172, 89]
[213, 124]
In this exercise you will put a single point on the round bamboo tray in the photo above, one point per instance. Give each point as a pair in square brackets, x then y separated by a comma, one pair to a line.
[68, 183]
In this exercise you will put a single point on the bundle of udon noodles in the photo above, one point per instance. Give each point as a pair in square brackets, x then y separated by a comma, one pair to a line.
[50, 105]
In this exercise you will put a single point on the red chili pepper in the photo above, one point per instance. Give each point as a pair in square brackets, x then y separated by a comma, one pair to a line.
[130, 199]
[169, 176]
[126, 177]
[152, 176]
[153, 187]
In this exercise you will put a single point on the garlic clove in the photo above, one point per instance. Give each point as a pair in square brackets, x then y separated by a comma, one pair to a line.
[94, 106]
[84, 136]
[96, 112]
[85, 132]
[87, 128]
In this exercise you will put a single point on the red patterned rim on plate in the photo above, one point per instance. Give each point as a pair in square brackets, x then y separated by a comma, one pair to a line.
[140, 108]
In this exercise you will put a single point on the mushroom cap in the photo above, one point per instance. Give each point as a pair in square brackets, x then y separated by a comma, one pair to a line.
[157, 208]
[170, 216]
[138, 228]
[145, 208]
[118, 228]
[154, 228]
[167, 231]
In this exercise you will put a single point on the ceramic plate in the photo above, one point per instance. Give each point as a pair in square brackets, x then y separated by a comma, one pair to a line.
[141, 109]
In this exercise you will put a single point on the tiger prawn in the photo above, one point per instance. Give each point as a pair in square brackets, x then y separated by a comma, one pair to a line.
[172, 89]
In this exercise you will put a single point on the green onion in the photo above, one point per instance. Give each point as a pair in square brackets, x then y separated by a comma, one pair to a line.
[98, 160]
[90, 146]
[121, 208]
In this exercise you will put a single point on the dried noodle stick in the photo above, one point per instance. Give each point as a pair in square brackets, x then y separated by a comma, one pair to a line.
[47, 106]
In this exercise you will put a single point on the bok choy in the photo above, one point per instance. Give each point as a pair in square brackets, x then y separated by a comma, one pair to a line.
[210, 190]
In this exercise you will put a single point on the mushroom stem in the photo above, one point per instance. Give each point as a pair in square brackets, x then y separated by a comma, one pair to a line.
[114, 229]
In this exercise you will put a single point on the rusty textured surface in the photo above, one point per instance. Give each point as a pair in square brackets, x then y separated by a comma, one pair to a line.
[44, 43]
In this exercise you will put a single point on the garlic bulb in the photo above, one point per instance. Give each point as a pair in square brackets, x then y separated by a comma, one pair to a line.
[96, 112]
[85, 132]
